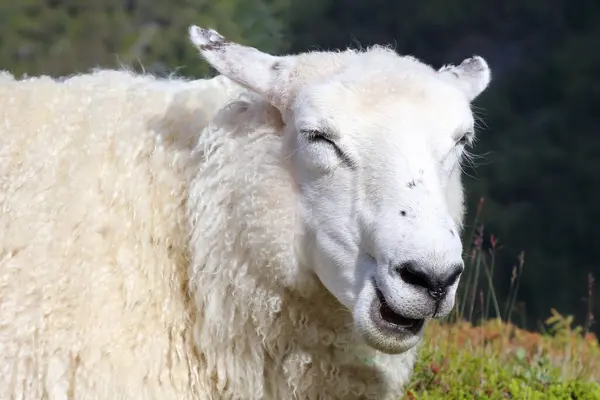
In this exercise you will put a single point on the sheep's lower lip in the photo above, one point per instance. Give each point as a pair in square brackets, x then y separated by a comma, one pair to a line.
[387, 319]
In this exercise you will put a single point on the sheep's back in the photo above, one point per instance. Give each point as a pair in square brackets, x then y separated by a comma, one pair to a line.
[93, 234]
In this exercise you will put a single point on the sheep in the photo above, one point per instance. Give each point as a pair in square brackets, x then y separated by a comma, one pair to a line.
[284, 230]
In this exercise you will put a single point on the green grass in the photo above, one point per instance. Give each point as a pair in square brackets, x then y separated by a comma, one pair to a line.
[464, 357]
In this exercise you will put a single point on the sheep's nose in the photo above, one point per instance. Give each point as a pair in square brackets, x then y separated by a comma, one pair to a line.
[435, 279]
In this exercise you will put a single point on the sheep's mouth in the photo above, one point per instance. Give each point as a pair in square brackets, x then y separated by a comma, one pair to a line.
[387, 318]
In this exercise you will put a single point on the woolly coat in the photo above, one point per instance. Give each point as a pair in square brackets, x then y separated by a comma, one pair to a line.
[149, 249]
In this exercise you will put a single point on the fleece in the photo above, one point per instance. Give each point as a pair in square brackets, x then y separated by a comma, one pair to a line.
[149, 250]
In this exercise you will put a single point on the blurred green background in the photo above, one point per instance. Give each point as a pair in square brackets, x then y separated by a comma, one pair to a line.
[539, 169]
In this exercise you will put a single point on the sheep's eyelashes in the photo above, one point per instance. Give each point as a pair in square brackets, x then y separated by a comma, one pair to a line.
[317, 136]
[464, 139]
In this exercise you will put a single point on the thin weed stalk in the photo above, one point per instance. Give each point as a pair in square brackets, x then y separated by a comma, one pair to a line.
[517, 273]
[491, 294]
[589, 320]
[474, 289]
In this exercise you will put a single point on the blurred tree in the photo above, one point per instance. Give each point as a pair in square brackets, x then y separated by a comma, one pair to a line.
[60, 37]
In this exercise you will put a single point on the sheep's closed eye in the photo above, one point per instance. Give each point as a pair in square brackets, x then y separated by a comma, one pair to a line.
[315, 136]
[464, 139]
[318, 136]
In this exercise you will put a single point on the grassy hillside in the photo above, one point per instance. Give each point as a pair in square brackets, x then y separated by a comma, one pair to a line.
[497, 360]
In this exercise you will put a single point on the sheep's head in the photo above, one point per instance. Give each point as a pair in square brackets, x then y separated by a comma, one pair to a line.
[374, 143]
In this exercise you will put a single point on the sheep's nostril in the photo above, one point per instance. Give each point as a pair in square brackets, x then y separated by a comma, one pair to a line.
[411, 274]
[436, 283]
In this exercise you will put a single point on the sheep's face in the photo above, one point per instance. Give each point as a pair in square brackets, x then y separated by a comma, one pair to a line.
[374, 142]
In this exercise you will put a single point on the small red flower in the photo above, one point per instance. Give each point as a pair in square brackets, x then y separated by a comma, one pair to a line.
[493, 241]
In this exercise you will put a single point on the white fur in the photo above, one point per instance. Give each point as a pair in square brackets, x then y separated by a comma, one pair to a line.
[168, 239]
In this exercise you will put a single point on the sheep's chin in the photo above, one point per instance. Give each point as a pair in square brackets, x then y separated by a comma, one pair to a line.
[376, 332]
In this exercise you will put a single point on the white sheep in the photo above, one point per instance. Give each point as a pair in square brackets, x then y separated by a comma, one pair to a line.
[281, 231]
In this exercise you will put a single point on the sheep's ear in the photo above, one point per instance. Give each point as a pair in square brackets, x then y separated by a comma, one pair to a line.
[259, 72]
[472, 76]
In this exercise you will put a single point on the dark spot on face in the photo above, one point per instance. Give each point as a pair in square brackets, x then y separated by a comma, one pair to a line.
[276, 66]
[15, 251]
[403, 213]
[411, 184]
[452, 233]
